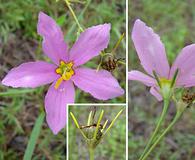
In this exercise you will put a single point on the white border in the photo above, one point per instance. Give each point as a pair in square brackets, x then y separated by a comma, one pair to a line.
[67, 149]
[127, 33]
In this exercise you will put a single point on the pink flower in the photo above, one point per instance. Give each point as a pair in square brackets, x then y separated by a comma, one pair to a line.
[152, 55]
[66, 70]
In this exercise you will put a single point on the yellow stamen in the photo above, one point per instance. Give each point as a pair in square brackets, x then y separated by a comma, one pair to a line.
[58, 71]
[70, 64]
[67, 76]
[62, 63]
[58, 82]
[65, 71]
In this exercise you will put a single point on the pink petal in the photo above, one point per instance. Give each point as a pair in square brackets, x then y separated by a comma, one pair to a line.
[53, 40]
[150, 49]
[102, 85]
[90, 43]
[185, 62]
[139, 76]
[156, 93]
[56, 103]
[31, 74]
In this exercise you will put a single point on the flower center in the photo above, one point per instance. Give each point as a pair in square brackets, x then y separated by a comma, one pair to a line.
[65, 70]
[165, 81]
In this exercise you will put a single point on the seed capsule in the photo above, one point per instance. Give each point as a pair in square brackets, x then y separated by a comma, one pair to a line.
[110, 64]
[188, 98]
[90, 130]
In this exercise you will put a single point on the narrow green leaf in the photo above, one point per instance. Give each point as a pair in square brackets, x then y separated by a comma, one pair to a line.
[77, 124]
[104, 126]
[16, 92]
[75, 120]
[33, 137]
[89, 118]
[98, 124]
[112, 123]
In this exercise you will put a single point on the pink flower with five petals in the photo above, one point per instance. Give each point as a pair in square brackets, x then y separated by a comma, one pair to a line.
[152, 55]
[66, 70]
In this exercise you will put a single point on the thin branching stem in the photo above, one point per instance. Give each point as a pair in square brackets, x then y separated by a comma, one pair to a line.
[74, 15]
[118, 43]
[176, 118]
[121, 62]
[159, 123]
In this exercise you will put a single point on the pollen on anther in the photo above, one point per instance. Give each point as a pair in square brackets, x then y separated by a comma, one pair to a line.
[62, 63]
[65, 70]
[58, 71]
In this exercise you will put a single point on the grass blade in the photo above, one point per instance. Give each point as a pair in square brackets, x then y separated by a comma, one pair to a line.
[16, 92]
[33, 137]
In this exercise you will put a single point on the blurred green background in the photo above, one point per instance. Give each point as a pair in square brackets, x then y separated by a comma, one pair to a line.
[19, 42]
[174, 21]
[112, 146]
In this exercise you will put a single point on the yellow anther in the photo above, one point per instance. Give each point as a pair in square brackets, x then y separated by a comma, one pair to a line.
[71, 72]
[62, 63]
[70, 64]
[65, 71]
[67, 76]
[58, 71]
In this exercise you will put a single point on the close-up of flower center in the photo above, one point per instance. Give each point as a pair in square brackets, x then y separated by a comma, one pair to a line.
[165, 81]
[65, 70]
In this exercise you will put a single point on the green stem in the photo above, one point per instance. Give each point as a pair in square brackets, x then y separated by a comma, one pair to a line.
[70, 31]
[102, 54]
[112, 123]
[74, 16]
[176, 118]
[159, 123]
[121, 62]
[91, 153]
[99, 65]
[118, 43]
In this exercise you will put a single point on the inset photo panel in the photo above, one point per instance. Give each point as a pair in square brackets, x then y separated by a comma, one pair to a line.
[96, 132]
